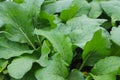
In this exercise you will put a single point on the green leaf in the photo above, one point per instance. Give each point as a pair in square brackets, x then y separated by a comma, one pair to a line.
[82, 29]
[51, 18]
[68, 13]
[95, 10]
[18, 1]
[93, 51]
[112, 9]
[45, 50]
[32, 7]
[56, 70]
[60, 42]
[114, 35]
[104, 77]
[30, 75]
[115, 50]
[83, 7]
[10, 49]
[57, 6]
[17, 24]
[3, 64]
[20, 66]
[76, 75]
[109, 65]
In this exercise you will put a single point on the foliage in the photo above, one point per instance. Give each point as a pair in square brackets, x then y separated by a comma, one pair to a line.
[59, 39]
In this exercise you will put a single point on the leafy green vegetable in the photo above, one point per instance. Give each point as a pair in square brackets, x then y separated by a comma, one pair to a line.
[80, 25]
[10, 49]
[93, 51]
[20, 66]
[10, 13]
[56, 70]
[109, 65]
[59, 40]
[69, 13]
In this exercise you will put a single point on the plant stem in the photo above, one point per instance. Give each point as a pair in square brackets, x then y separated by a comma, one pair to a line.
[84, 61]
[38, 40]
[27, 39]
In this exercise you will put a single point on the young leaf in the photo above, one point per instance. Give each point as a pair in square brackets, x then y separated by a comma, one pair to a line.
[93, 51]
[68, 13]
[114, 35]
[20, 66]
[10, 49]
[109, 65]
[56, 70]
[45, 50]
[60, 42]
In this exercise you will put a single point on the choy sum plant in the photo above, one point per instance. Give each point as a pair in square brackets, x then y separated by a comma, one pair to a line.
[59, 39]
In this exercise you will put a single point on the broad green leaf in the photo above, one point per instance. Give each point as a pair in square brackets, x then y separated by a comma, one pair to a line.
[17, 24]
[32, 7]
[68, 13]
[57, 6]
[115, 35]
[109, 65]
[93, 51]
[16, 21]
[104, 77]
[60, 42]
[112, 9]
[45, 50]
[10, 49]
[20, 66]
[56, 70]
[82, 29]
[63, 28]
[76, 75]
[30, 75]
[95, 10]
[3, 64]
[83, 7]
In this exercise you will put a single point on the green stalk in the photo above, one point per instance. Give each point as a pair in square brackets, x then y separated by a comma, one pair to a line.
[27, 39]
